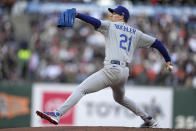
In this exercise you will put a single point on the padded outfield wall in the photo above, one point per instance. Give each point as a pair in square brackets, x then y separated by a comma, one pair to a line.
[15, 105]
[172, 108]
[99, 109]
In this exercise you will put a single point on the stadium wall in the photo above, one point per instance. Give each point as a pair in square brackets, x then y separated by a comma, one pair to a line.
[15, 101]
[99, 109]
[184, 109]
[173, 108]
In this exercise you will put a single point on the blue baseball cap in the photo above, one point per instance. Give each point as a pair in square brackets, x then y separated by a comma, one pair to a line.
[121, 11]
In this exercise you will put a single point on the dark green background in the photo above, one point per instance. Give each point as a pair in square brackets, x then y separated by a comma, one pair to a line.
[23, 89]
[184, 113]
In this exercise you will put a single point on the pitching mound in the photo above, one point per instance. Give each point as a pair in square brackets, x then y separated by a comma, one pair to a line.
[83, 128]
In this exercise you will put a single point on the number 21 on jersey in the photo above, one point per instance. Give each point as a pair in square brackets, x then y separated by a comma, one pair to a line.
[124, 40]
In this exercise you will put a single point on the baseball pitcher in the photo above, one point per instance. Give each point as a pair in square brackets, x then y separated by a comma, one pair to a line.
[121, 42]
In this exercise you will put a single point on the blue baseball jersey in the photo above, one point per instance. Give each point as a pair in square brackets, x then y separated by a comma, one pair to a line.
[122, 40]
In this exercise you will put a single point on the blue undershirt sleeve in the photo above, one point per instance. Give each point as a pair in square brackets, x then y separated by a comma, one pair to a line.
[159, 46]
[91, 20]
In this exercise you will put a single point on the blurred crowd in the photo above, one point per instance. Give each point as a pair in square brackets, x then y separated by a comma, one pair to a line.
[71, 55]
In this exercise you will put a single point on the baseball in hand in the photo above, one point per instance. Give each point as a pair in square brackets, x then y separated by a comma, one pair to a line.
[170, 67]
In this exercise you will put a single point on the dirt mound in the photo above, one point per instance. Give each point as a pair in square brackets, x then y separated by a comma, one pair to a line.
[84, 128]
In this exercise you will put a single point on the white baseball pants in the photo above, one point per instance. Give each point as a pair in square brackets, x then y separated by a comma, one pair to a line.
[112, 75]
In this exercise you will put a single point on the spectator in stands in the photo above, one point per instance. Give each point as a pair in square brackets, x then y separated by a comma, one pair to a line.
[61, 57]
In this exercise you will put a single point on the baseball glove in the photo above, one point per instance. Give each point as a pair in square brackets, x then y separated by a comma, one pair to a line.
[67, 18]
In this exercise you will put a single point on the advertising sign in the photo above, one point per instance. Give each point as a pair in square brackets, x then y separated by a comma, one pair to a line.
[100, 109]
[47, 98]
[15, 105]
